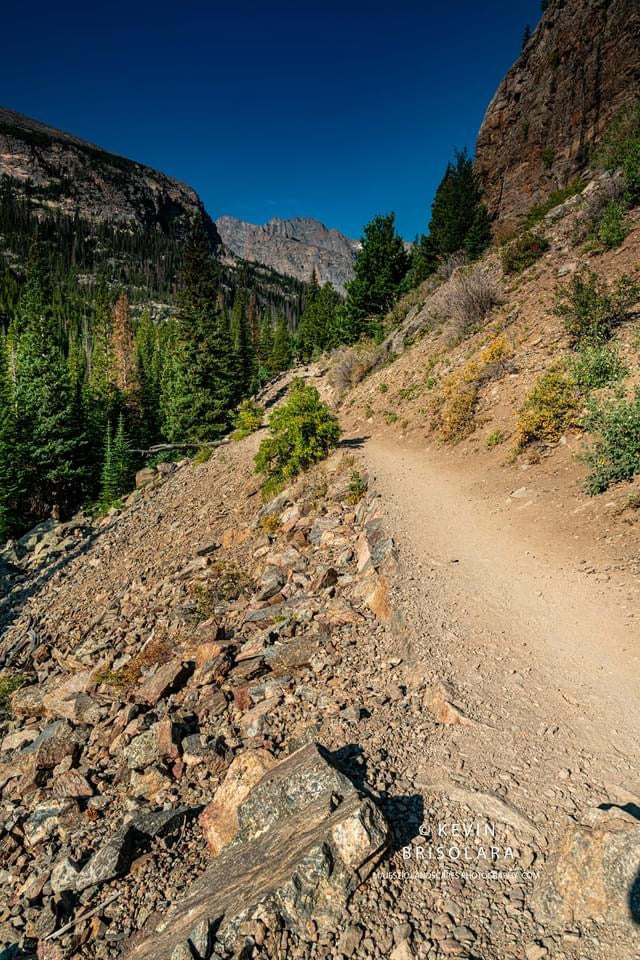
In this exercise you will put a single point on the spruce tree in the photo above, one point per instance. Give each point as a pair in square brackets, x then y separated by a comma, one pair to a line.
[454, 206]
[206, 381]
[380, 268]
[424, 262]
[479, 236]
[242, 344]
[317, 329]
[109, 476]
[121, 457]
[281, 353]
[9, 480]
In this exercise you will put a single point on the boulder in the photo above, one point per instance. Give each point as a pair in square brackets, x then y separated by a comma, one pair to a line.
[219, 820]
[145, 476]
[306, 840]
[593, 873]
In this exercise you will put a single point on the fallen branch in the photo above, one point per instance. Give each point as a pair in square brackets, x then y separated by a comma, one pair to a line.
[159, 447]
[85, 916]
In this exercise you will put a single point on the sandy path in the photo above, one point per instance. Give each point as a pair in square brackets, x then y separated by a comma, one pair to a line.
[531, 641]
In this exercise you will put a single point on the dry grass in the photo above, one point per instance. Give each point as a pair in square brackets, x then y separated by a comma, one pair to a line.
[468, 298]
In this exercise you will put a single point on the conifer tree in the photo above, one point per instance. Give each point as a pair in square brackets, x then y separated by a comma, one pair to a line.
[281, 353]
[380, 268]
[242, 344]
[205, 381]
[317, 329]
[9, 481]
[455, 209]
[479, 236]
[108, 478]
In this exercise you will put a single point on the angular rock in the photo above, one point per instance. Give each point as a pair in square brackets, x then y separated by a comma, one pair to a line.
[219, 820]
[145, 476]
[306, 841]
[166, 678]
[271, 582]
[593, 873]
[143, 750]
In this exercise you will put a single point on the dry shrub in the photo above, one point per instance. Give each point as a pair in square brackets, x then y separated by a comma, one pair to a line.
[452, 263]
[549, 408]
[351, 365]
[461, 390]
[467, 299]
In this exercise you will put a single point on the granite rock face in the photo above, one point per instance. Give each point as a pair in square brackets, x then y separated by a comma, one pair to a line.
[293, 247]
[579, 69]
[63, 172]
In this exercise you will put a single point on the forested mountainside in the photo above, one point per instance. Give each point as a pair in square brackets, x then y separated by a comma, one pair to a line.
[297, 248]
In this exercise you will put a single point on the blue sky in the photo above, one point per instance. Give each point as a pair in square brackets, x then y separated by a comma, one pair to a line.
[335, 110]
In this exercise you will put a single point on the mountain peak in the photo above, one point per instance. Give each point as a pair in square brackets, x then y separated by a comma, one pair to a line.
[295, 247]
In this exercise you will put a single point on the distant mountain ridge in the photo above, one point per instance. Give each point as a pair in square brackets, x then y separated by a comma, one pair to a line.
[58, 171]
[293, 247]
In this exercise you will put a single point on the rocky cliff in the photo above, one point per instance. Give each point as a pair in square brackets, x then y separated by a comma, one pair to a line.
[580, 67]
[56, 170]
[294, 247]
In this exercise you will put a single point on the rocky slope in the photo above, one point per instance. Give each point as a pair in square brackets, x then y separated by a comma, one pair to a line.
[579, 68]
[293, 247]
[58, 171]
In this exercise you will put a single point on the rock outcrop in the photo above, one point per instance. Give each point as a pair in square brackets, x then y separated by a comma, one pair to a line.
[580, 67]
[293, 247]
[59, 171]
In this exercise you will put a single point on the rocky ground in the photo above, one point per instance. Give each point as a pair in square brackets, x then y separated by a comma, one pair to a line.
[162, 794]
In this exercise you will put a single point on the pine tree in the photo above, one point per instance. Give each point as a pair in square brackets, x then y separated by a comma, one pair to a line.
[242, 344]
[121, 457]
[317, 330]
[9, 483]
[424, 262]
[206, 380]
[51, 441]
[380, 268]
[454, 206]
[109, 476]
[479, 236]
[281, 353]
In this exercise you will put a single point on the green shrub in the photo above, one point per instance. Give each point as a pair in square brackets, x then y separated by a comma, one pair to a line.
[202, 454]
[9, 683]
[619, 148]
[539, 212]
[523, 252]
[357, 488]
[612, 226]
[390, 417]
[303, 431]
[615, 454]
[248, 419]
[495, 439]
[590, 310]
[597, 366]
[383, 387]
[548, 156]
[548, 409]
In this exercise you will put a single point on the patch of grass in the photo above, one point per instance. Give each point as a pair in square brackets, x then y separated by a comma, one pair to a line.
[615, 453]
[495, 438]
[597, 366]
[158, 650]
[523, 252]
[203, 454]
[390, 417]
[383, 387]
[461, 390]
[9, 683]
[357, 488]
[409, 393]
[590, 310]
[248, 419]
[270, 524]
[548, 409]
[539, 212]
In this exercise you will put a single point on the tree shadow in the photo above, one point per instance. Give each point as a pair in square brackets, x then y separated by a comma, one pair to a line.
[354, 443]
[404, 814]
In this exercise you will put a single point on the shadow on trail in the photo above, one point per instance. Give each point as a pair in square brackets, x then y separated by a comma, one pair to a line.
[404, 814]
[353, 443]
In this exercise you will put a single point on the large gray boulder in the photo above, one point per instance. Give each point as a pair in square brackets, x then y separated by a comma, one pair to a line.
[306, 840]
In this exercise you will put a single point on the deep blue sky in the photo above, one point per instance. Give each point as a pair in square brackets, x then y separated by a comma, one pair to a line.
[335, 110]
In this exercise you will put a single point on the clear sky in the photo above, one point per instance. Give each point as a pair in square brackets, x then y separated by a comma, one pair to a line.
[334, 110]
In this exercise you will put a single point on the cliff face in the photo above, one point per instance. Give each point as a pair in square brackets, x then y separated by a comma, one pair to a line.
[580, 67]
[294, 247]
[59, 171]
